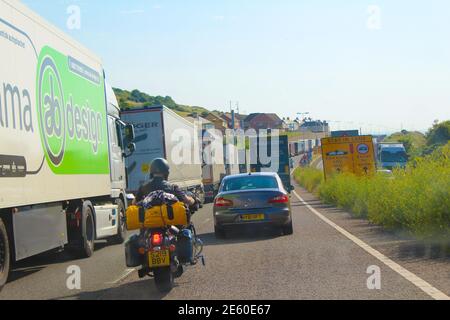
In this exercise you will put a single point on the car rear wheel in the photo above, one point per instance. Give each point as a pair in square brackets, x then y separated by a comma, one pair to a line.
[288, 229]
[219, 232]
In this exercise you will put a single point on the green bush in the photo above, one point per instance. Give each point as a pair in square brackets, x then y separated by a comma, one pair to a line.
[309, 178]
[348, 192]
[416, 199]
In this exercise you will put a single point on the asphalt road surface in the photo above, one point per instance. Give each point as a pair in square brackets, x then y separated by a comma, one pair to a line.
[323, 259]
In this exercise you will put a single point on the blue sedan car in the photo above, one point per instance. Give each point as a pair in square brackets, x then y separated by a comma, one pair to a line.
[252, 199]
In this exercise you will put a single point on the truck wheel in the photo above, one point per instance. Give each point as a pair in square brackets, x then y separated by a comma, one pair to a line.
[119, 238]
[201, 195]
[88, 233]
[4, 255]
[163, 279]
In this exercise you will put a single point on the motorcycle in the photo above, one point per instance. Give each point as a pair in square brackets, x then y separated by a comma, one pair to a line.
[163, 253]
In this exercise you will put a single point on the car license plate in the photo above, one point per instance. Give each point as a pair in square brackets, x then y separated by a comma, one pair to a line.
[159, 259]
[252, 217]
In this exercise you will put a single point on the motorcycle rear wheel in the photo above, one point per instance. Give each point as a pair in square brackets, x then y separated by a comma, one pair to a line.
[164, 279]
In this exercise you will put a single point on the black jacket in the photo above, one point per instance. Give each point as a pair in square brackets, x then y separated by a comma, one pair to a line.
[157, 184]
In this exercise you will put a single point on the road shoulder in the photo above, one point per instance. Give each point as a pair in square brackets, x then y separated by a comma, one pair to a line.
[428, 263]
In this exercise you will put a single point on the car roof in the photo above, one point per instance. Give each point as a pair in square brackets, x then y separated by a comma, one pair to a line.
[252, 174]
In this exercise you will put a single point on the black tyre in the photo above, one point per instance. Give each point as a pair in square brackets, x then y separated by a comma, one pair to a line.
[88, 233]
[288, 229]
[180, 271]
[121, 235]
[5, 257]
[219, 233]
[164, 279]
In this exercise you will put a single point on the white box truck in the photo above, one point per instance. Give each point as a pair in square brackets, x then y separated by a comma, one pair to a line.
[161, 133]
[62, 173]
[231, 159]
[213, 167]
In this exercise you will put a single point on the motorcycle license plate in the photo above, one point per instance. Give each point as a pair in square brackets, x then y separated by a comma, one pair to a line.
[159, 259]
[252, 217]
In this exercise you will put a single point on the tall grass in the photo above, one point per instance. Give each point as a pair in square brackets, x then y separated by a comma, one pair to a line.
[416, 199]
[309, 178]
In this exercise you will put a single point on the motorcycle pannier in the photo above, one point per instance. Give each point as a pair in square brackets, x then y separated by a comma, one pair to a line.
[157, 217]
[132, 256]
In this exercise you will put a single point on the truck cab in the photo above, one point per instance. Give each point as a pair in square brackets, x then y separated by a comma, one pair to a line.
[391, 155]
[120, 139]
[109, 211]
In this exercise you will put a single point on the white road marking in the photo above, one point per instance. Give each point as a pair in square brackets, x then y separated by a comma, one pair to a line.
[411, 277]
[125, 274]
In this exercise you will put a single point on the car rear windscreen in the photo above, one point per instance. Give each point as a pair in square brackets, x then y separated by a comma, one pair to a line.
[250, 183]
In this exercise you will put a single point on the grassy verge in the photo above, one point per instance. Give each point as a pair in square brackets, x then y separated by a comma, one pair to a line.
[309, 178]
[416, 199]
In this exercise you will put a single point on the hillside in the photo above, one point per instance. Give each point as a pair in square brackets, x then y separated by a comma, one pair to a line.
[138, 99]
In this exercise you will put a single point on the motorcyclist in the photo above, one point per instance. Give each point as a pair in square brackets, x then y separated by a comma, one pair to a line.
[159, 174]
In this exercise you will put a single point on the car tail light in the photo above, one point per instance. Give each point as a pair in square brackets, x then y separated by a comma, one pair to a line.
[157, 239]
[280, 199]
[221, 202]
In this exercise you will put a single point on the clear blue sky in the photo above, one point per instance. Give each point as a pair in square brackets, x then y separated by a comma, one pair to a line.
[277, 56]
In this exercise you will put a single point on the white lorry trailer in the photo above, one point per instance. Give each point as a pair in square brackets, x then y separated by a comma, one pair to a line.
[62, 173]
[213, 167]
[161, 133]
[231, 159]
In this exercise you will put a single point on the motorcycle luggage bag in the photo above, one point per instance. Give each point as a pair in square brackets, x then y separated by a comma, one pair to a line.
[157, 216]
[132, 256]
[185, 246]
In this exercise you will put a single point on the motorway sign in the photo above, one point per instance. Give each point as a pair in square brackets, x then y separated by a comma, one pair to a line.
[348, 154]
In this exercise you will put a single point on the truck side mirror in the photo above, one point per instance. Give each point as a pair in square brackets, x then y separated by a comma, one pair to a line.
[129, 133]
[131, 148]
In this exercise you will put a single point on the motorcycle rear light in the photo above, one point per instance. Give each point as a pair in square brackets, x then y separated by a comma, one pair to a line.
[172, 248]
[280, 199]
[222, 202]
[157, 239]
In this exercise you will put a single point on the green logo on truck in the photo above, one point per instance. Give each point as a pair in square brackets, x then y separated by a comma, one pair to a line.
[71, 109]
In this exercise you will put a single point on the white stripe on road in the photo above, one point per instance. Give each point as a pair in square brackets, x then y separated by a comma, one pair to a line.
[411, 277]
[125, 274]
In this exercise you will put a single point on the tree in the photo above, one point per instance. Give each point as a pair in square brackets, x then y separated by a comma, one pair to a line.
[439, 134]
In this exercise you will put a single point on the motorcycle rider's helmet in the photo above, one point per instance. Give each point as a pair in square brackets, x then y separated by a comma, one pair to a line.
[160, 166]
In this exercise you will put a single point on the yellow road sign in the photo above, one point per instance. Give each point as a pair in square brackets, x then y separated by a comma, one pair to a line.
[348, 154]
